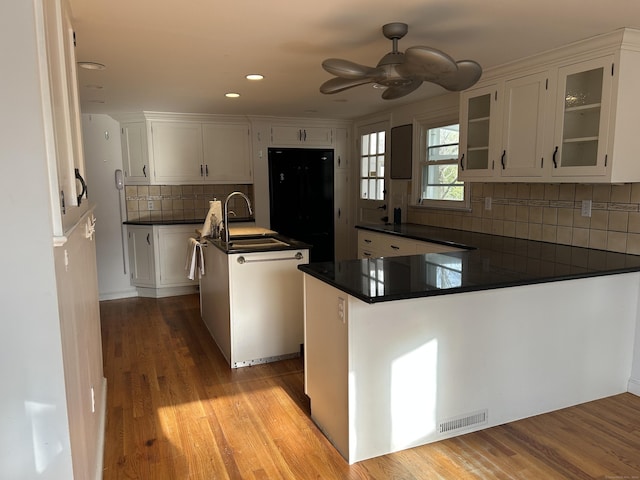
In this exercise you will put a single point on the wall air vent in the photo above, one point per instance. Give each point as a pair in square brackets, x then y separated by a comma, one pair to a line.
[466, 421]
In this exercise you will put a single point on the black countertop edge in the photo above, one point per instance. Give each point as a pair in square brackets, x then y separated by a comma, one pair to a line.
[181, 222]
[292, 244]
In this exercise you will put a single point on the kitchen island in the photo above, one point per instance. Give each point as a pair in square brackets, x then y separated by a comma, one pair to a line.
[404, 351]
[251, 297]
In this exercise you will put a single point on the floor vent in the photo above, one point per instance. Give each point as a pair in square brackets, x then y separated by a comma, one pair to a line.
[467, 421]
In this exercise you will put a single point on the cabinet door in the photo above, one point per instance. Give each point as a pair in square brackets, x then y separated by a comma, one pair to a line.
[172, 251]
[341, 158]
[227, 156]
[134, 153]
[524, 118]
[582, 111]
[177, 152]
[479, 117]
[290, 135]
[141, 256]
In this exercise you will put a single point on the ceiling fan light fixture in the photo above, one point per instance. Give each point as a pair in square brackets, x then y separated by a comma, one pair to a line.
[402, 72]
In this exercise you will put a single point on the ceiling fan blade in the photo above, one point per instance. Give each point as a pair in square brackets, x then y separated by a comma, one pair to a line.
[346, 69]
[336, 85]
[426, 63]
[469, 72]
[397, 92]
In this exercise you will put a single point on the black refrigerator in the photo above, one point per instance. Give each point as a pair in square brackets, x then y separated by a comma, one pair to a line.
[301, 197]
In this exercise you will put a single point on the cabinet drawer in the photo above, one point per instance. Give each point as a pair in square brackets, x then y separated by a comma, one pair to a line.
[396, 246]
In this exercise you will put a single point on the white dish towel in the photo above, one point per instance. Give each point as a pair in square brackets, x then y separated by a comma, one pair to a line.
[195, 259]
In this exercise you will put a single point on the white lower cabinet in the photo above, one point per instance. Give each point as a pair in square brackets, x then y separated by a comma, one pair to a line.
[157, 257]
[374, 245]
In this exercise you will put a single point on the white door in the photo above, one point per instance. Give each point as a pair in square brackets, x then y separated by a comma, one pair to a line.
[373, 205]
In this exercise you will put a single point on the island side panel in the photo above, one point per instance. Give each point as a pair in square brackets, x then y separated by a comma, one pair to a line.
[508, 353]
[214, 298]
[326, 365]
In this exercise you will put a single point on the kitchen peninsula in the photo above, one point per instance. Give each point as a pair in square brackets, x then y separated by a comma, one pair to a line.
[403, 351]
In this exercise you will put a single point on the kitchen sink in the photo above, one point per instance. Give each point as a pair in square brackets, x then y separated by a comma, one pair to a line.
[256, 242]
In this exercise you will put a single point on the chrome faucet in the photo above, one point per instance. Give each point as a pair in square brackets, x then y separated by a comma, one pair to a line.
[226, 212]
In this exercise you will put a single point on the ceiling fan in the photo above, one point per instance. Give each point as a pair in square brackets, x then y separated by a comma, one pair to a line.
[402, 73]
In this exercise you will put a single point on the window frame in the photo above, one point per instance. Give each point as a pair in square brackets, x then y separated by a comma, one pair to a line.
[421, 128]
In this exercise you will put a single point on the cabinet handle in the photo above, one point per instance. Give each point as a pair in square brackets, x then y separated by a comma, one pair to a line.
[383, 207]
[300, 135]
[144, 171]
[462, 162]
[366, 240]
[84, 186]
[395, 247]
[553, 158]
[305, 135]
[201, 170]
[148, 238]
[338, 160]
[206, 169]
[542, 162]
[504, 152]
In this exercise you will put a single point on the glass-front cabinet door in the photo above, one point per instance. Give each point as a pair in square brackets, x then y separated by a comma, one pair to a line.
[582, 112]
[478, 124]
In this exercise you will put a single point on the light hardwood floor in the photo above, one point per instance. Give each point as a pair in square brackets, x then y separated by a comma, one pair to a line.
[175, 410]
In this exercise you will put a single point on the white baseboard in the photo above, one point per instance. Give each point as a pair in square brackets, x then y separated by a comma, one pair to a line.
[117, 295]
[634, 386]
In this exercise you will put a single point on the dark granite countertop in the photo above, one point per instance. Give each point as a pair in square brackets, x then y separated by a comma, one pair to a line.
[491, 261]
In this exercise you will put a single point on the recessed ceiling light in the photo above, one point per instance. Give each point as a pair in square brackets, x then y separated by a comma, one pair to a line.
[91, 65]
[254, 76]
[232, 95]
[96, 101]
[94, 87]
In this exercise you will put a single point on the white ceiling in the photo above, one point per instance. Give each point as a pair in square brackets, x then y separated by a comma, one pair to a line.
[183, 55]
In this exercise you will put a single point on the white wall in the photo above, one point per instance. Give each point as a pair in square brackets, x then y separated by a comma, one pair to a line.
[34, 438]
[103, 156]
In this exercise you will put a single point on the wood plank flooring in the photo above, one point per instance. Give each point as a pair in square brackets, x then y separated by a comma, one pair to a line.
[175, 410]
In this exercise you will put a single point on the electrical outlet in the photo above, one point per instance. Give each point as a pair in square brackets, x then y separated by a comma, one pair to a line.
[586, 208]
[487, 203]
[150, 205]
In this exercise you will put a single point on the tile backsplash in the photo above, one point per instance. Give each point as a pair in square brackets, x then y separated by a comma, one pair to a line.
[181, 202]
[548, 212]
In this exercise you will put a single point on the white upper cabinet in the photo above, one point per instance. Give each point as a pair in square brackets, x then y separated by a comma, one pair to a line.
[301, 135]
[479, 127]
[583, 110]
[227, 156]
[525, 106]
[173, 149]
[564, 116]
[134, 153]
[177, 152]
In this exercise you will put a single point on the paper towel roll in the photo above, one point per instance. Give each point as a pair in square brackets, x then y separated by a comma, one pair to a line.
[213, 219]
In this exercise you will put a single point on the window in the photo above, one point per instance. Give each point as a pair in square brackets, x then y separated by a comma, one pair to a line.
[372, 153]
[439, 184]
